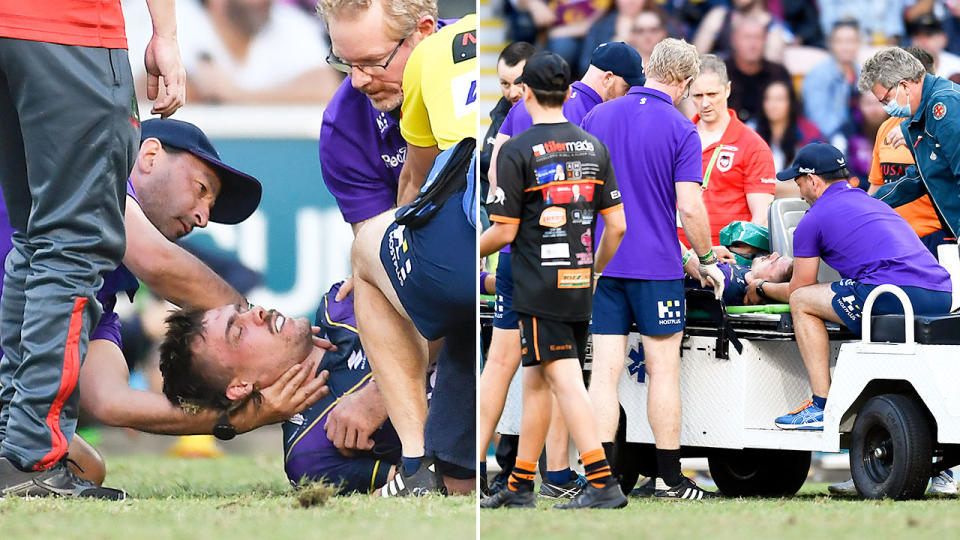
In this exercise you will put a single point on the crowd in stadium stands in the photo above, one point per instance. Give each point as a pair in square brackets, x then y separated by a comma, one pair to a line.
[793, 64]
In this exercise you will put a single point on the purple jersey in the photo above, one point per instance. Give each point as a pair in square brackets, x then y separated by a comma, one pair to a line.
[853, 251]
[652, 146]
[582, 99]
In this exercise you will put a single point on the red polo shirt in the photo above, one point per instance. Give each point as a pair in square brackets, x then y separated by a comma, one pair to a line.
[739, 163]
[87, 23]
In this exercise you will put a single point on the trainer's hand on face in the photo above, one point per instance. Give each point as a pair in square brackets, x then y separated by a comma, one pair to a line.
[724, 254]
[300, 387]
[351, 423]
[752, 297]
[162, 59]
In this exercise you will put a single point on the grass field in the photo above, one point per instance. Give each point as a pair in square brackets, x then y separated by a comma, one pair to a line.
[232, 497]
[808, 516]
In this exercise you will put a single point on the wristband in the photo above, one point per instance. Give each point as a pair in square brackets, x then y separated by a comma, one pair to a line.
[760, 289]
[686, 256]
[709, 258]
[483, 281]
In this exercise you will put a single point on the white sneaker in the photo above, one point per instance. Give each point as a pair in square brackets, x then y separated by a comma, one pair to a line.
[942, 484]
[846, 489]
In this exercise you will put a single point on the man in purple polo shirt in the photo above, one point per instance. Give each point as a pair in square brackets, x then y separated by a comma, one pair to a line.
[614, 68]
[825, 233]
[656, 154]
[361, 149]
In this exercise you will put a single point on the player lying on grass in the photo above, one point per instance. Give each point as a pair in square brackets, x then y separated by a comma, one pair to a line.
[178, 183]
[220, 358]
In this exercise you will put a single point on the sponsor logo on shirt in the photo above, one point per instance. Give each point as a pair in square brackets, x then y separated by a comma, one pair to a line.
[395, 160]
[583, 217]
[357, 360]
[553, 216]
[382, 123]
[555, 254]
[669, 311]
[550, 173]
[584, 258]
[768, 180]
[554, 146]
[587, 239]
[615, 194]
[573, 278]
[499, 196]
[463, 88]
[566, 347]
[569, 193]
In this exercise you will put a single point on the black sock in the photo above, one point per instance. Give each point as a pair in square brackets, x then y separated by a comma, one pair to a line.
[668, 466]
[608, 449]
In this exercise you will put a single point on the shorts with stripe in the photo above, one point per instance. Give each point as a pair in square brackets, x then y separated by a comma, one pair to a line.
[543, 340]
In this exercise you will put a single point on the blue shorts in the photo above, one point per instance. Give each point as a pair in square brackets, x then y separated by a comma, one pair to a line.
[433, 268]
[108, 328]
[851, 295]
[657, 307]
[504, 317]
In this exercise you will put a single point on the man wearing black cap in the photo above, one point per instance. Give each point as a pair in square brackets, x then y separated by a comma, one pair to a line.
[614, 69]
[551, 232]
[825, 232]
[178, 183]
[926, 32]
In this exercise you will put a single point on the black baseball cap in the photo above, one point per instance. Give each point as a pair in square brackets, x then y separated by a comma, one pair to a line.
[239, 192]
[620, 59]
[814, 158]
[546, 71]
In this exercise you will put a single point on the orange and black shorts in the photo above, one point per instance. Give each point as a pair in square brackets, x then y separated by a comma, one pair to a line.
[543, 340]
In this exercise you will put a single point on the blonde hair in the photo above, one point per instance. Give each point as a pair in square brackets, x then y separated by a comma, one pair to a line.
[400, 16]
[673, 61]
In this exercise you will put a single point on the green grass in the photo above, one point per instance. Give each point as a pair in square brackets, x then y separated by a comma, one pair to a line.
[810, 515]
[232, 497]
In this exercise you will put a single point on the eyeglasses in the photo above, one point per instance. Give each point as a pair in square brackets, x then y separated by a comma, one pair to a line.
[342, 65]
[883, 100]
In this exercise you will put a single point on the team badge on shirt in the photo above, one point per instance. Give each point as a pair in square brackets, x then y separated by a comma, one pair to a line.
[939, 110]
[724, 161]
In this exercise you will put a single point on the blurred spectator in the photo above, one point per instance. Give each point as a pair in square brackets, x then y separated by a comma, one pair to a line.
[829, 90]
[714, 33]
[247, 51]
[889, 164]
[879, 20]
[748, 70]
[870, 115]
[649, 28]
[618, 25]
[947, 11]
[782, 125]
[926, 32]
[802, 20]
[509, 66]
[566, 23]
[738, 174]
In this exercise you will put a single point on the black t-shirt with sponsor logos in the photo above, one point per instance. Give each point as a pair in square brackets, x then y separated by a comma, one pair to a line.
[553, 180]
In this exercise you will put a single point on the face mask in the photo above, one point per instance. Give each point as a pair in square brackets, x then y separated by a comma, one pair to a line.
[894, 109]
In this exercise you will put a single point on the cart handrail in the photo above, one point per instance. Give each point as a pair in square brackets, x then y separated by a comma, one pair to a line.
[904, 301]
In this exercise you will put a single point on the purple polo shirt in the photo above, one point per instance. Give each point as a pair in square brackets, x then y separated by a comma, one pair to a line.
[652, 147]
[581, 101]
[880, 248]
[361, 154]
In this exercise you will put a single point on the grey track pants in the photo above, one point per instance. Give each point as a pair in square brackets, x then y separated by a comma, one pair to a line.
[68, 141]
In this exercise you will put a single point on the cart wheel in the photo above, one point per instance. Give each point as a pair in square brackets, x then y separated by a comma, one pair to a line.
[891, 449]
[759, 473]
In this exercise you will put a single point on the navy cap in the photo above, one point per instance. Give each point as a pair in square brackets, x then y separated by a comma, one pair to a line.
[814, 158]
[546, 71]
[239, 192]
[622, 60]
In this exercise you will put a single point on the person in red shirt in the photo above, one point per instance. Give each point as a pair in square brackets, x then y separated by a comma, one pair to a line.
[69, 129]
[738, 172]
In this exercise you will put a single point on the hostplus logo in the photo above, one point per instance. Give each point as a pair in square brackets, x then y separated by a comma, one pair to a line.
[668, 311]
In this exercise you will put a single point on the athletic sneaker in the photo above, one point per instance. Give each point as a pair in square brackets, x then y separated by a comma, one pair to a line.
[646, 489]
[808, 417]
[565, 491]
[484, 488]
[845, 489]
[687, 490]
[942, 484]
[424, 481]
[609, 496]
[499, 482]
[57, 481]
[506, 497]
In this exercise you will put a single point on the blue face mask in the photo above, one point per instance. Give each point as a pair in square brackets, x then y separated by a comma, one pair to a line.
[894, 109]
